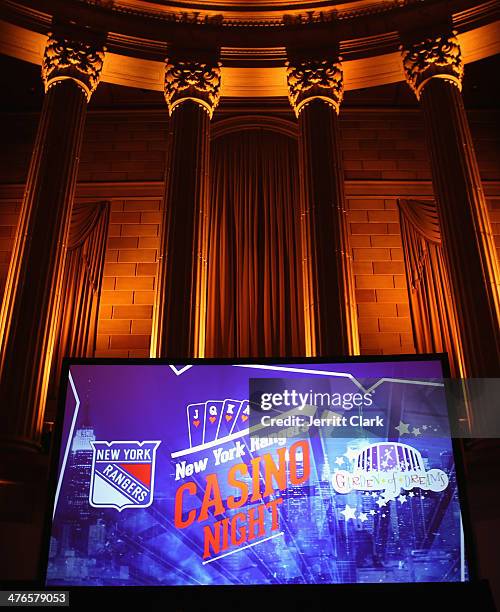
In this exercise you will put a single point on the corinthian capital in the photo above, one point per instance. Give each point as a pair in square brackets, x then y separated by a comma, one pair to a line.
[80, 61]
[315, 79]
[192, 80]
[435, 57]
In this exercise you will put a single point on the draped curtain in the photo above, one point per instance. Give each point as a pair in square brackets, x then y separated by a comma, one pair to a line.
[81, 289]
[432, 309]
[254, 277]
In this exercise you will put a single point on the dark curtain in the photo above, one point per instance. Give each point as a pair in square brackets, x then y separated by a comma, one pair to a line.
[81, 290]
[431, 304]
[255, 302]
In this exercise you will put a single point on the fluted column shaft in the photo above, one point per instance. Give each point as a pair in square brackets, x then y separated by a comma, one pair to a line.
[32, 294]
[467, 236]
[29, 315]
[180, 311]
[192, 90]
[434, 69]
[315, 90]
[328, 280]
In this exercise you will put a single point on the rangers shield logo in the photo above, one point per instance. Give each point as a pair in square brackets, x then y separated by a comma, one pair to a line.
[123, 474]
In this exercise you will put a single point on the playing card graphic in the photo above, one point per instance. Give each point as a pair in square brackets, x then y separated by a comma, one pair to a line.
[228, 419]
[213, 412]
[196, 423]
[243, 416]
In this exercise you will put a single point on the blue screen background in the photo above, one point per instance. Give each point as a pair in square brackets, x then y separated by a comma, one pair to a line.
[324, 536]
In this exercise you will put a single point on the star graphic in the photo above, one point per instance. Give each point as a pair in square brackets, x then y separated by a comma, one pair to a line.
[374, 494]
[402, 499]
[372, 511]
[351, 454]
[362, 517]
[411, 494]
[339, 460]
[402, 428]
[348, 512]
[381, 502]
[424, 427]
[415, 431]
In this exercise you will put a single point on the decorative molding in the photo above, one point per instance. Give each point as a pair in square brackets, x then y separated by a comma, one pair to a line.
[434, 57]
[192, 80]
[315, 80]
[248, 122]
[253, 56]
[77, 60]
[154, 190]
[195, 13]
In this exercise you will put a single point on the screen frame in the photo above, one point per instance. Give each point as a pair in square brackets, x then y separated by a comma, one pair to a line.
[56, 441]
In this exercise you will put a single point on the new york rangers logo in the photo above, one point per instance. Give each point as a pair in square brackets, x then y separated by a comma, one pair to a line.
[123, 474]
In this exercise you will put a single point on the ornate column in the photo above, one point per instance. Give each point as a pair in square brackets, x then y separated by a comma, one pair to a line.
[433, 68]
[315, 90]
[28, 318]
[192, 90]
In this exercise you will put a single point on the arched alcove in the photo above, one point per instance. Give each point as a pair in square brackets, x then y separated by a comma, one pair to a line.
[254, 264]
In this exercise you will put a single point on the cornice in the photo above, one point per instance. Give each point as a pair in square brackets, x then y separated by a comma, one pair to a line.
[284, 15]
[143, 29]
[254, 14]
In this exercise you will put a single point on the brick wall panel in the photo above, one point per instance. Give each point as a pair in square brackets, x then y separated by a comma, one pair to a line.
[132, 312]
[117, 297]
[358, 240]
[379, 275]
[385, 241]
[141, 326]
[136, 240]
[145, 229]
[388, 267]
[144, 297]
[365, 295]
[133, 283]
[362, 267]
[137, 255]
[146, 269]
[114, 326]
[129, 341]
[374, 281]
